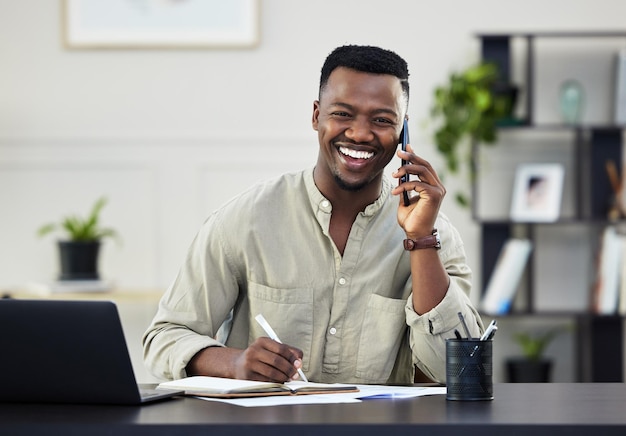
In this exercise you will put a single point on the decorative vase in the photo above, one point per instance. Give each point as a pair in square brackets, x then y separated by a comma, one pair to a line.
[571, 101]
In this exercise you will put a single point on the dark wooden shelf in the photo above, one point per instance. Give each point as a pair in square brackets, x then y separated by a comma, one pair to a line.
[551, 314]
[569, 221]
[556, 34]
[600, 337]
[526, 125]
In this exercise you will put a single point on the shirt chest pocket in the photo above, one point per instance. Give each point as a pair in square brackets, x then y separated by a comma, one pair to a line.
[384, 325]
[288, 311]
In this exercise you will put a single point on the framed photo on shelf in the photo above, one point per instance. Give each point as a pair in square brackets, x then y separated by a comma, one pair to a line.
[537, 192]
[160, 24]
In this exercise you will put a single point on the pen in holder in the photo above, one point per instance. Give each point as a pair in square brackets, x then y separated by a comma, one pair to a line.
[469, 369]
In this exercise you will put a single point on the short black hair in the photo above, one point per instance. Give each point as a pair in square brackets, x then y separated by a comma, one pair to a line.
[367, 59]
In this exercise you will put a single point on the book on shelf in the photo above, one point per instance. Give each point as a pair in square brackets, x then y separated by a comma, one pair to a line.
[609, 282]
[620, 88]
[505, 279]
[621, 303]
[204, 386]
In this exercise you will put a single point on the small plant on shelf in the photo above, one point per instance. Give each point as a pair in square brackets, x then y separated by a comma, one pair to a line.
[82, 229]
[533, 346]
[79, 251]
[533, 366]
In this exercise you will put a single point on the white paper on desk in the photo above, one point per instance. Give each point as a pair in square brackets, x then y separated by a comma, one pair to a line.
[286, 400]
[365, 392]
[379, 391]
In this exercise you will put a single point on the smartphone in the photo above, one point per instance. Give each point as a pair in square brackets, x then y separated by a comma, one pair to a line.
[404, 140]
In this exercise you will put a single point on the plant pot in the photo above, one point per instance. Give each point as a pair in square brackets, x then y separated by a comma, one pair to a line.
[508, 93]
[79, 260]
[528, 371]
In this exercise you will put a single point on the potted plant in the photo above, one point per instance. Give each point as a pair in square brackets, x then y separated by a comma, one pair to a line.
[78, 253]
[532, 366]
[468, 110]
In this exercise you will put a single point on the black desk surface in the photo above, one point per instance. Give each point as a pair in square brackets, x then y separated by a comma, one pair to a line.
[518, 409]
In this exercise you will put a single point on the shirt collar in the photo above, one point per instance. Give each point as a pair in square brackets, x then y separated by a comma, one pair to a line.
[322, 204]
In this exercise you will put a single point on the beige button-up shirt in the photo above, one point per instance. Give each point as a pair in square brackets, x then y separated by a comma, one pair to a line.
[269, 251]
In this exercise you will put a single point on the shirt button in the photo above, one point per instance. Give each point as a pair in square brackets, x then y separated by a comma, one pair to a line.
[325, 204]
[342, 281]
[333, 330]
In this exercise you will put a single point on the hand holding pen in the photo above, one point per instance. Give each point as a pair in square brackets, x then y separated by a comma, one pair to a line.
[272, 334]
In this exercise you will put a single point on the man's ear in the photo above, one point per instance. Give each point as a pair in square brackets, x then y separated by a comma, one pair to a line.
[316, 114]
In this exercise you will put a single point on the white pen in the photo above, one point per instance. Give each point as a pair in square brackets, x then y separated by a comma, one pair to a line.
[272, 334]
[491, 329]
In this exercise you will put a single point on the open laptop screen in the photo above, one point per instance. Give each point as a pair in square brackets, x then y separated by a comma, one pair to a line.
[65, 352]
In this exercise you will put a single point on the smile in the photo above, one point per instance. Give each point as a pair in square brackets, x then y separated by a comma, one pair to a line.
[356, 154]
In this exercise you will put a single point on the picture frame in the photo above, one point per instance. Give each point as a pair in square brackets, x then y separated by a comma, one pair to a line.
[537, 192]
[160, 24]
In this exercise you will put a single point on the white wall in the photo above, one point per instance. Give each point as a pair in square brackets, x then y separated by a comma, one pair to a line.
[168, 135]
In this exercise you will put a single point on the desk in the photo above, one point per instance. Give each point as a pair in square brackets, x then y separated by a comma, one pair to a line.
[518, 409]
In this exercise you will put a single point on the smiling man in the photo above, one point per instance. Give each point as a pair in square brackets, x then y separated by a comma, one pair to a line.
[359, 287]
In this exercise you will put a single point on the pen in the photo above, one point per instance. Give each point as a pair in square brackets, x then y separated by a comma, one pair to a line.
[467, 332]
[272, 334]
[489, 331]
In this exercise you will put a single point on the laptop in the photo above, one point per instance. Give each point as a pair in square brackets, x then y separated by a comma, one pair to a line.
[57, 351]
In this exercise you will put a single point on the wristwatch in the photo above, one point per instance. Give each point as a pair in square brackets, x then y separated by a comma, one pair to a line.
[431, 241]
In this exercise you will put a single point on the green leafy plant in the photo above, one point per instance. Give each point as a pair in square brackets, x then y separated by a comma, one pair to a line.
[534, 345]
[82, 229]
[467, 109]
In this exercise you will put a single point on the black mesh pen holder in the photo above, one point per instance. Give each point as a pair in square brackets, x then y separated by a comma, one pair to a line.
[469, 369]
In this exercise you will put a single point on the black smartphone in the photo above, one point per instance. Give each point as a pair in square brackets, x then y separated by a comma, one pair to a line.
[404, 140]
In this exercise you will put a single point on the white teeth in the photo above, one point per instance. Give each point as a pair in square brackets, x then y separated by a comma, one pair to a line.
[355, 153]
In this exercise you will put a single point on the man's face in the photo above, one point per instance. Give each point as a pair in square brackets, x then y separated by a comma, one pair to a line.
[358, 119]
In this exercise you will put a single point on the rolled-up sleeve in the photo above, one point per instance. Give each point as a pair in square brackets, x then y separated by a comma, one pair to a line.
[185, 323]
[429, 331]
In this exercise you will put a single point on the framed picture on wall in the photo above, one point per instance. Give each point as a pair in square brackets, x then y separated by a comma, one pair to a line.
[160, 24]
[537, 192]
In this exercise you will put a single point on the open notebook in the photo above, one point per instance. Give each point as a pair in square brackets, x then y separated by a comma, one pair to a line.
[218, 387]
[67, 352]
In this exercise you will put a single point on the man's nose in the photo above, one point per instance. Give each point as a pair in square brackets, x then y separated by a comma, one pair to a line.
[360, 131]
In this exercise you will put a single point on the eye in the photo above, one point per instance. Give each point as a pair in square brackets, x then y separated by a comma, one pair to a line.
[340, 114]
[381, 120]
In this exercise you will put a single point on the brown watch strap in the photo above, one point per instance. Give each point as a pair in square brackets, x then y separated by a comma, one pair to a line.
[431, 241]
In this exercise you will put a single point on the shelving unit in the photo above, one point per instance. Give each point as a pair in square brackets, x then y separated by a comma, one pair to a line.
[600, 338]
